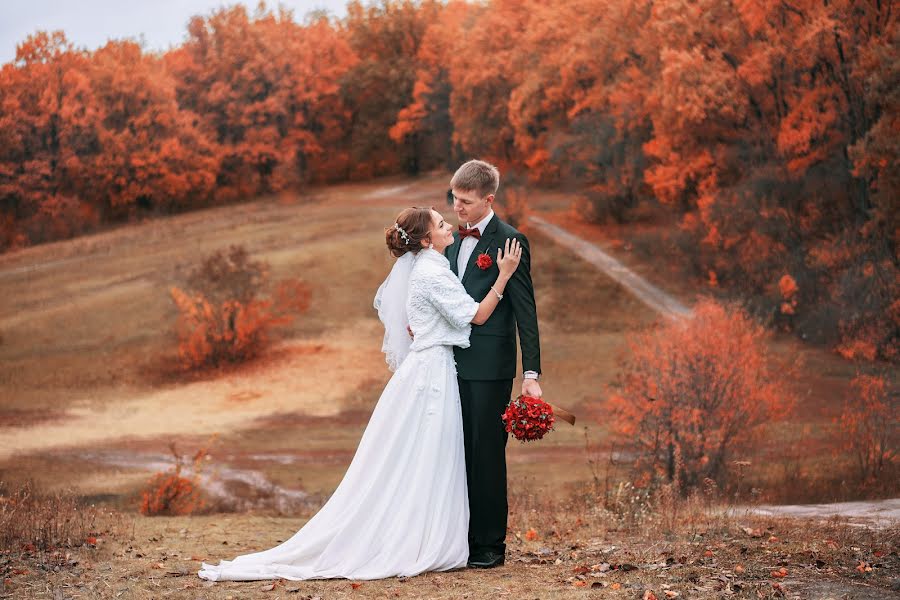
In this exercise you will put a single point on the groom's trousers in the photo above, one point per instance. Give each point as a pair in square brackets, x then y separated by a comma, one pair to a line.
[484, 434]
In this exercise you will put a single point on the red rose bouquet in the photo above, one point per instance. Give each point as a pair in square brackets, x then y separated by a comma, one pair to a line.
[528, 418]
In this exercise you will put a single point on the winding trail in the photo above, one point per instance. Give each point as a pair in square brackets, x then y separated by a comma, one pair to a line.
[878, 512]
[643, 290]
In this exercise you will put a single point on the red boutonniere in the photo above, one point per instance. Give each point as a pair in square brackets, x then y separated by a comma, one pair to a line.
[484, 261]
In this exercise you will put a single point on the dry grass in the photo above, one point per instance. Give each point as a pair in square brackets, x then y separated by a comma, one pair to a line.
[689, 549]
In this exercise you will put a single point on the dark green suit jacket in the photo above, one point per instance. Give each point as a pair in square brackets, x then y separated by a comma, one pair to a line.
[492, 354]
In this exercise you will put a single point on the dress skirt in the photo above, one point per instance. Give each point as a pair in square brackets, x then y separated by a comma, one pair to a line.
[401, 508]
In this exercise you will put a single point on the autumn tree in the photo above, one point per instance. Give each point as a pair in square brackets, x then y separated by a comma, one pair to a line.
[386, 37]
[49, 134]
[484, 71]
[425, 125]
[267, 91]
[579, 112]
[694, 390]
[152, 156]
[753, 112]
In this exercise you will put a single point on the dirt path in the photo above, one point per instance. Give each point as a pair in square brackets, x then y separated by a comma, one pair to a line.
[642, 289]
[882, 513]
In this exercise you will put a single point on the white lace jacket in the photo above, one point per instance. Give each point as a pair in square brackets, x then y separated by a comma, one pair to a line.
[439, 309]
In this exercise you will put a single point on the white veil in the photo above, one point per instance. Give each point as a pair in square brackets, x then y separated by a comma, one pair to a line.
[390, 302]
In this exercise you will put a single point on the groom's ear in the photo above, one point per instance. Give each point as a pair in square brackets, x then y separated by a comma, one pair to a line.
[489, 199]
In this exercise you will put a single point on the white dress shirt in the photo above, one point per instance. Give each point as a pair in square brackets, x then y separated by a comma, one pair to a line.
[467, 245]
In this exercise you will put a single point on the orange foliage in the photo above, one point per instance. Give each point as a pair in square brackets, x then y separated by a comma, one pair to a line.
[694, 390]
[152, 155]
[221, 320]
[171, 493]
[769, 129]
[869, 424]
[267, 91]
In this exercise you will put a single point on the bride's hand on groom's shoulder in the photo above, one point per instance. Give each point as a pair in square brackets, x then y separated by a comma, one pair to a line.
[508, 257]
[531, 388]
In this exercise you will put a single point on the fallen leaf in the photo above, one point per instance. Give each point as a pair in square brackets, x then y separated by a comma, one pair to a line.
[579, 583]
[356, 586]
[267, 588]
[649, 595]
[580, 570]
[754, 533]
[739, 569]
[780, 573]
[671, 594]
[616, 586]
[531, 535]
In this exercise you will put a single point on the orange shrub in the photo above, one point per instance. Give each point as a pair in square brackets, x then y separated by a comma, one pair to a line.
[869, 425]
[221, 320]
[170, 493]
[695, 389]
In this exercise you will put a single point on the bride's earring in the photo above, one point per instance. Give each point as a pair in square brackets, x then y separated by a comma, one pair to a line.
[430, 246]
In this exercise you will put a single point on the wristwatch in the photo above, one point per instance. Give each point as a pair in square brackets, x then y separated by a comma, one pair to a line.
[531, 375]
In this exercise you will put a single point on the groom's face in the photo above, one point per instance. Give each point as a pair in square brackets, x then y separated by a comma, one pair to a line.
[469, 206]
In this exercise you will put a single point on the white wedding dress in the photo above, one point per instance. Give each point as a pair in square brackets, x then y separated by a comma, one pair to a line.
[402, 507]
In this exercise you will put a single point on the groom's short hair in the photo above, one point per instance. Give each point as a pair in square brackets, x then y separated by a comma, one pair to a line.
[476, 176]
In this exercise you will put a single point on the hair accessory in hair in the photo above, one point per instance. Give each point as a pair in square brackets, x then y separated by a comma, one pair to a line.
[402, 233]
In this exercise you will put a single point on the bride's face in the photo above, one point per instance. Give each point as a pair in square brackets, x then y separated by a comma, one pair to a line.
[441, 232]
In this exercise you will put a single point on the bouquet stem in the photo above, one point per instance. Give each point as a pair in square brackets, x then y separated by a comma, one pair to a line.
[563, 414]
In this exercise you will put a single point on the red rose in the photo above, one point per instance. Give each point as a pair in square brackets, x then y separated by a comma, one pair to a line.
[484, 261]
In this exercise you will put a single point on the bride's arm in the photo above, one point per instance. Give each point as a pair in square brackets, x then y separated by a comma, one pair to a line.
[507, 263]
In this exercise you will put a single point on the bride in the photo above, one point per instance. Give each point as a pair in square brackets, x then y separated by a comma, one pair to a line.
[402, 507]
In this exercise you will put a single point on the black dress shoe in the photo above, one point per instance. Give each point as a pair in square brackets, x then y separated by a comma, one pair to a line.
[485, 560]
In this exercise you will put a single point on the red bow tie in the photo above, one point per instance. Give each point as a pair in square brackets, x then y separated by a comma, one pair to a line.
[474, 232]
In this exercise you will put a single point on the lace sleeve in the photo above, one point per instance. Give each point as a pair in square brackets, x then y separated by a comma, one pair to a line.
[447, 294]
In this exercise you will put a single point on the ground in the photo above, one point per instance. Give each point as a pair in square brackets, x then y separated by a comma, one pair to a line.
[89, 404]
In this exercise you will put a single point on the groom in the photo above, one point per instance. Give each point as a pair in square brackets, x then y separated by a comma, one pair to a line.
[487, 368]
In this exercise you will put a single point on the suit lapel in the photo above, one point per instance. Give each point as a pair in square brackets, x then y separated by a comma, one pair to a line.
[483, 244]
[453, 253]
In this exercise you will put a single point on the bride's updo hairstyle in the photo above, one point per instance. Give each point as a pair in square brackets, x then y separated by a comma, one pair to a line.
[412, 226]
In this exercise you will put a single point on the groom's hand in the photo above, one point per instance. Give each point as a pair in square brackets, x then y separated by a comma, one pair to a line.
[531, 387]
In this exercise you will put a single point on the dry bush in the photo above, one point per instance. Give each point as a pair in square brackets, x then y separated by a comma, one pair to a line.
[869, 425]
[221, 320]
[696, 389]
[171, 493]
[36, 524]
